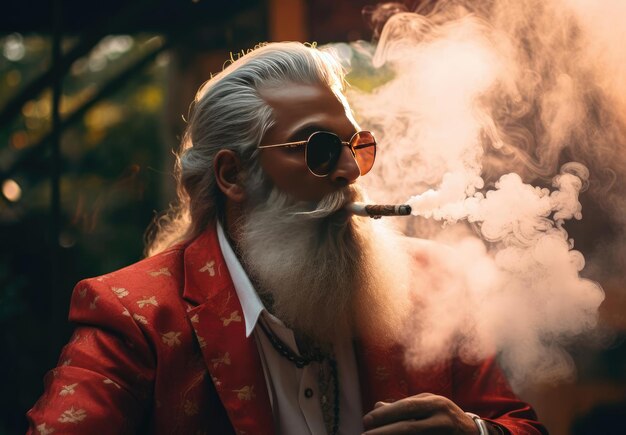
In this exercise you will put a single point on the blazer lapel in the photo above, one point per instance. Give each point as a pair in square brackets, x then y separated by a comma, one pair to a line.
[384, 375]
[381, 374]
[232, 359]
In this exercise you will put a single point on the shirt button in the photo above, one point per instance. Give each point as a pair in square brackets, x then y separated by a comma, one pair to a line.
[308, 393]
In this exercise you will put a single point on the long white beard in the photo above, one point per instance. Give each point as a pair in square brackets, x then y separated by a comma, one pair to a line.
[328, 275]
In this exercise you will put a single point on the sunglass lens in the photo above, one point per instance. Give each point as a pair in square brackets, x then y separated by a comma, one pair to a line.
[364, 145]
[323, 151]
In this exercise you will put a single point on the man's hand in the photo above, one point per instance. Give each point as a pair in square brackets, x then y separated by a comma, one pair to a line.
[422, 414]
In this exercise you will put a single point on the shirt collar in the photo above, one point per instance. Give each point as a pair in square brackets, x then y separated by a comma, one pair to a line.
[248, 298]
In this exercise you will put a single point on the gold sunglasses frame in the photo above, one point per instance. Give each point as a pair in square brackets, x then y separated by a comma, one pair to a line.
[344, 143]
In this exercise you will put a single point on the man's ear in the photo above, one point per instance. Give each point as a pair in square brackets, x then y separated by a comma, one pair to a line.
[228, 175]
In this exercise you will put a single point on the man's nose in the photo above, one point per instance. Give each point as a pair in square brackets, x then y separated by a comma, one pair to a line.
[347, 169]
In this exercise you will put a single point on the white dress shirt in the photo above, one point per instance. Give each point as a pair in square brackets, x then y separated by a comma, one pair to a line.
[294, 393]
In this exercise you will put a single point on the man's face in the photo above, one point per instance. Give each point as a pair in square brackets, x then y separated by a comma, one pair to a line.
[300, 110]
[326, 273]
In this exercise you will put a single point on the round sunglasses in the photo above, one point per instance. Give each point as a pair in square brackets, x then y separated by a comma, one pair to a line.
[323, 149]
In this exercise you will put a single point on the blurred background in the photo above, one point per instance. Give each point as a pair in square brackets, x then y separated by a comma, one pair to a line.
[92, 101]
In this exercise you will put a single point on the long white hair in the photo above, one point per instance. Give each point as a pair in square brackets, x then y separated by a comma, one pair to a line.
[229, 113]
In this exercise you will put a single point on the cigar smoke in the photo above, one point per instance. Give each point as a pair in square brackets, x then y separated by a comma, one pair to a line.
[478, 107]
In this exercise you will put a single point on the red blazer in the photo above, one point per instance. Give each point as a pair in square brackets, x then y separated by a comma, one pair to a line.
[160, 348]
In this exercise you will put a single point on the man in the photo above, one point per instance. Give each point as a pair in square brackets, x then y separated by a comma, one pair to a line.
[266, 307]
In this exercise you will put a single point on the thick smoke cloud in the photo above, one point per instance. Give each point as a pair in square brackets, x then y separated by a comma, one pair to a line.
[479, 107]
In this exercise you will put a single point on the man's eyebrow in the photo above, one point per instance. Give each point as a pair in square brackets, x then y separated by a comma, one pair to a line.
[303, 133]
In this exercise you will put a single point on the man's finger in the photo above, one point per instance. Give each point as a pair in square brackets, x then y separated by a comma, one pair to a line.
[411, 408]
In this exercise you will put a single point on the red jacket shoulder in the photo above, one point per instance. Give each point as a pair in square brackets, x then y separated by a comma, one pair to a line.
[166, 265]
[160, 275]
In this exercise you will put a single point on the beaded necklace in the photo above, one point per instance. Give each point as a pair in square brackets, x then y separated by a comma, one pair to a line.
[301, 361]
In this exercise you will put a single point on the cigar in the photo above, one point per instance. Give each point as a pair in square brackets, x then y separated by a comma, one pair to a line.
[376, 211]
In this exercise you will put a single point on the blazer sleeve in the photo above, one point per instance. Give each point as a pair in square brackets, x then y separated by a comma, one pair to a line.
[484, 390]
[105, 373]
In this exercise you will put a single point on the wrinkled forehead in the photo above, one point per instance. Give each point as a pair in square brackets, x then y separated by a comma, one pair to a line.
[296, 106]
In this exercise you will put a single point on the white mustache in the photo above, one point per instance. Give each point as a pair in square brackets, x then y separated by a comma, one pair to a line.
[331, 203]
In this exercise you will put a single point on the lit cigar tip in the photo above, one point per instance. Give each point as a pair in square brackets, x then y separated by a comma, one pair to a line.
[404, 209]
